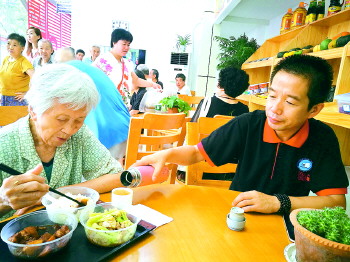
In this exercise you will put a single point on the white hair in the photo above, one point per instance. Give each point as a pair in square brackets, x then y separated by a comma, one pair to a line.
[143, 68]
[64, 84]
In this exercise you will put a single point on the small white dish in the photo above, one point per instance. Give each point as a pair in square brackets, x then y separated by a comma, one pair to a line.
[234, 224]
[290, 253]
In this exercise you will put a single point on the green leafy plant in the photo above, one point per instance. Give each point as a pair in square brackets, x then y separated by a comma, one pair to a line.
[174, 101]
[183, 41]
[330, 223]
[234, 52]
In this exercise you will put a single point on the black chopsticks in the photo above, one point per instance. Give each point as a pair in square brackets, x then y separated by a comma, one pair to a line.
[14, 172]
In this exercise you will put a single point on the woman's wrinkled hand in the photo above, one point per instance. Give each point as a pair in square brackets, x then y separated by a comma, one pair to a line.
[24, 210]
[24, 190]
[254, 201]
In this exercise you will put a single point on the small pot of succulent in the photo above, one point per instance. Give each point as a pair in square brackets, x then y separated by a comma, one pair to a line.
[321, 234]
[174, 102]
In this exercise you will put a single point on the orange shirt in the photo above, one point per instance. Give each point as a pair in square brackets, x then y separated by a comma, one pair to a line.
[13, 78]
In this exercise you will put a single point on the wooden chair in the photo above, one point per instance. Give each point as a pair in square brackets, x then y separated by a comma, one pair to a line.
[224, 117]
[196, 131]
[192, 100]
[193, 93]
[155, 132]
[10, 114]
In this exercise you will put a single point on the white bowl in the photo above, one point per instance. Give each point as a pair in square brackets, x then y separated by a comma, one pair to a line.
[49, 199]
[38, 218]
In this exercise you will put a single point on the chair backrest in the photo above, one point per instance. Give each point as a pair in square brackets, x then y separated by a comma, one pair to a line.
[193, 93]
[224, 116]
[192, 100]
[154, 132]
[10, 114]
[196, 131]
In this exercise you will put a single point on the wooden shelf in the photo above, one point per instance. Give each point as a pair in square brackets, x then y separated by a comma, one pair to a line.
[264, 63]
[287, 35]
[333, 19]
[330, 115]
[258, 100]
[330, 53]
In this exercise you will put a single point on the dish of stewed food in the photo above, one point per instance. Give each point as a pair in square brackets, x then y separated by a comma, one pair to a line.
[33, 235]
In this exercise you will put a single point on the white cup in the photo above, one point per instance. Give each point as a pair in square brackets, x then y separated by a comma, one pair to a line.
[122, 197]
[237, 214]
[235, 219]
[234, 224]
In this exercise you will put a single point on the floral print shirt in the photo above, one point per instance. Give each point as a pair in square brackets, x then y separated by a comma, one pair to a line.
[82, 156]
[117, 71]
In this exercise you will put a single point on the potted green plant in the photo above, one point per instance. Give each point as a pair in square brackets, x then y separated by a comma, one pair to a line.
[173, 104]
[321, 234]
[182, 42]
[234, 52]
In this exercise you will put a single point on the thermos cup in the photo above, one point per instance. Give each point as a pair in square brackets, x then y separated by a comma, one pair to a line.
[142, 176]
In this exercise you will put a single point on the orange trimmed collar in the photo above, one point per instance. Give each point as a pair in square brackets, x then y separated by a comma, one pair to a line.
[295, 141]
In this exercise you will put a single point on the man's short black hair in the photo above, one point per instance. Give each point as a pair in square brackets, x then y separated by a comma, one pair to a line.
[180, 75]
[316, 70]
[80, 51]
[120, 34]
[234, 81]
[20, 39]
[156, 73]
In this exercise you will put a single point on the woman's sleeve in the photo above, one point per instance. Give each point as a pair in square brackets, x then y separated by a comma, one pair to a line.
[97, 159]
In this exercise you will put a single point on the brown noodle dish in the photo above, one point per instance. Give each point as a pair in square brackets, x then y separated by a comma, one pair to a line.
[38, 235]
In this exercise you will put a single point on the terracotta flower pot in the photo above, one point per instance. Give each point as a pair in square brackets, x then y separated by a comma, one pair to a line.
[173, 110]
[311, 247]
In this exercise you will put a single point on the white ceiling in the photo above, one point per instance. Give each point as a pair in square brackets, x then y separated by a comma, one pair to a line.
[262, 9]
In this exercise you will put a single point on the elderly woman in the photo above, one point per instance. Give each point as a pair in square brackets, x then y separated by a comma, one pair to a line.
[52, 146]
[46, 54]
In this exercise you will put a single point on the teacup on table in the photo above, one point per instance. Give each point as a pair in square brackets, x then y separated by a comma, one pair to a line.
[235, 219]
[122, 197]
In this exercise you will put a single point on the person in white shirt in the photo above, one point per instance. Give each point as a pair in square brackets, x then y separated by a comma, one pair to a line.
[182, 89]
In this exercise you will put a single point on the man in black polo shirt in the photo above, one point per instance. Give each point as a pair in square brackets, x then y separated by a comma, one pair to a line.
[282, 153]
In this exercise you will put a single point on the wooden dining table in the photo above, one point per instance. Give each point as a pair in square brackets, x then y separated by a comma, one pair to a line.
[199, 231]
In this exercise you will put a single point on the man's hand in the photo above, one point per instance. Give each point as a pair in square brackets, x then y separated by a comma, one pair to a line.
[254, 201]
[157, 87]
[157, 160]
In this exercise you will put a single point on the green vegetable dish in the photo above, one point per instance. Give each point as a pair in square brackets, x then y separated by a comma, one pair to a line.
[330, 223]
[113, 219]
[110, 228]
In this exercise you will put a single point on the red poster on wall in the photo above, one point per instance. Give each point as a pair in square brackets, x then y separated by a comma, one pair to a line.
[55, 27]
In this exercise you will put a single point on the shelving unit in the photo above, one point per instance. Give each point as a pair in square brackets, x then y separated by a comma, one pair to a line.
[339, 58]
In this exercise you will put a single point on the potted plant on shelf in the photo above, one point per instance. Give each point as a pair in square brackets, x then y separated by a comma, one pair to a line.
[321, 234]
[234, 52]
[175, 105]
[182, 42]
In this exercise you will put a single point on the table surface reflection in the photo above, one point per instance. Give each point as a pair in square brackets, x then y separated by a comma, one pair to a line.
[199, 231]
